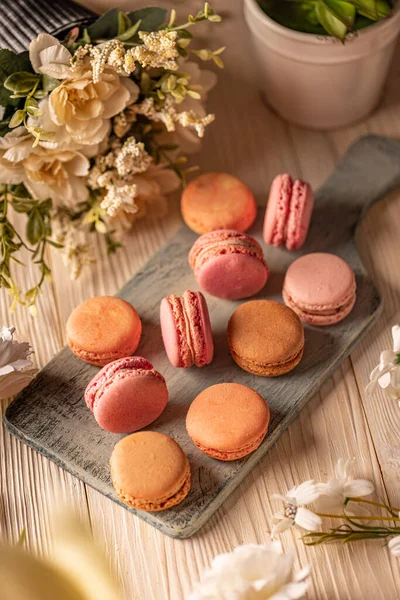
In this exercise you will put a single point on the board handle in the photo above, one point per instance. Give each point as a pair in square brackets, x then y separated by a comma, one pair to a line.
[368, 171]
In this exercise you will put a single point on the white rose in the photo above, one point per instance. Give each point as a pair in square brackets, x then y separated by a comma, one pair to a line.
[14, 148]
[49, 57]
[83, 109]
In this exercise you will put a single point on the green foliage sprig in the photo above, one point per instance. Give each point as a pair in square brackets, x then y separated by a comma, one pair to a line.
[333, 17]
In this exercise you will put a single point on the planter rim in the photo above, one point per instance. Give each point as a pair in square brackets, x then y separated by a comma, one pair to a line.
[313, 38]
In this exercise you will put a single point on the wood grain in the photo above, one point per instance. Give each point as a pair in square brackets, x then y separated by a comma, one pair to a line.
[339, 420]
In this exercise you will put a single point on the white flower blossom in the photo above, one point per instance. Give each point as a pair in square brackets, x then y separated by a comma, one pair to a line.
[120, 198]
[15, 369]
[334, 493]
[394, 545]
[49, 57]
[252, 573]
[75, 251]
[387, 373]
[294, 512]
[132, 158]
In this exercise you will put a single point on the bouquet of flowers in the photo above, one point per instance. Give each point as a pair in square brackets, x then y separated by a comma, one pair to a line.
[93, 130]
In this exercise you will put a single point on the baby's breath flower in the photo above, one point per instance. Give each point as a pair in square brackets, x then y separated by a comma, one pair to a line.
[76, 254]
[158, 50]
[120, 198]
[189, 118]
[132, 158]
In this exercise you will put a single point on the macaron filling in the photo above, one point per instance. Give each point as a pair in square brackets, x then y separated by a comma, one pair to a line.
[182, 328]
[263, 366]
[126, 367]
[195, 327]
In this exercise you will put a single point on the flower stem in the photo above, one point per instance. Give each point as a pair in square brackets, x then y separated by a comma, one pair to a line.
[359, 518]
[387, 506]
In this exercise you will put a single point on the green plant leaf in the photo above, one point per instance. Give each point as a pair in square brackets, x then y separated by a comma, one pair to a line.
[124, 22]
[106, 26]
[151, 17]
[129, 33]
[329, 22]
[11, 63]
[344, 11]
[21, 82]
[35, 227]
[373, 9]
[49, 83]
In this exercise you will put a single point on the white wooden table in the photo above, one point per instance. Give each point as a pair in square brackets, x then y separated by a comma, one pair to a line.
[251, 142]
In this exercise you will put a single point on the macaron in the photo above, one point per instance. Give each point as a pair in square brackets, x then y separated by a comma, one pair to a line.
[150, 471]
[320, 288]
[186, 330]
[228, 264]
[218, 201]
[288, 213]
[265, 338]
[126, 395]
[103, 329]
[228, 421]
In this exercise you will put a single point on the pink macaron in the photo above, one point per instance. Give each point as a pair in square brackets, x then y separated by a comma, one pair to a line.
[320, 288]
[127, 395]
[229, 264]
[288, 213]
[186, 330]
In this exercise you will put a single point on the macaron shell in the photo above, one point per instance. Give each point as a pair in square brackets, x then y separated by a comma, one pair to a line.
[131, 402]
[103, 329]
[277, 211]
[174, 334]
[218, 201]
[300, 211]
[198, 320]
[232, 276]
[320, 282]
[228, 421]
[150, 471]
[265, 338]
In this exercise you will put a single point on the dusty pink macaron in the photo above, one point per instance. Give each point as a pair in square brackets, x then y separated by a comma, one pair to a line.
[228, 264]
[186, 330]
[288, 214]
[126, 395]
[320, 288]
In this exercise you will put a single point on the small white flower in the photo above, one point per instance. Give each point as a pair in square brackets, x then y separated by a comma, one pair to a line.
[387, 373]
[394, 546]
[334, 493]
[49, 57]
[294, 512]
[15, 368]
[252, 573]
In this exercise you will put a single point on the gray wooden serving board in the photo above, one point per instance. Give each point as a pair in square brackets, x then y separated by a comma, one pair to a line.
[50, 414]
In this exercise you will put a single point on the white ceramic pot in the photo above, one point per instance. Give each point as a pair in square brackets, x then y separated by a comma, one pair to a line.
[316, 81]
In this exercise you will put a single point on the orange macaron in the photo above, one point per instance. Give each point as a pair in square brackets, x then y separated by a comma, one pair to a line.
[150, 471]
[265, 338]
[228, 421]
[103, 329]
[218, 201]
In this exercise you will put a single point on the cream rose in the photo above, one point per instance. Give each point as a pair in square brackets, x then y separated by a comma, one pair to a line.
[54, 173]
[83, 108]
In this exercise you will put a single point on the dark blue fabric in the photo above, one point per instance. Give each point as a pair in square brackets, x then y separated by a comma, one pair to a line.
[22, 20]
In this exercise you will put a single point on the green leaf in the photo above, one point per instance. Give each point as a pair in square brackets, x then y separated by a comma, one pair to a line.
[11, 63]
[184, 33]
[151, 17]
[344, 11]
[124, 22]
[35, 227]
[49, 83]
[129, 33]
[373, 9]
[16, 119]
[21, 82]
[45, 206]
[54, 244]
[329, 22]
[106, 26]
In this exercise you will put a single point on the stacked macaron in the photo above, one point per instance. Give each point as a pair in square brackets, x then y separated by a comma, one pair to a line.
[227, 421]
